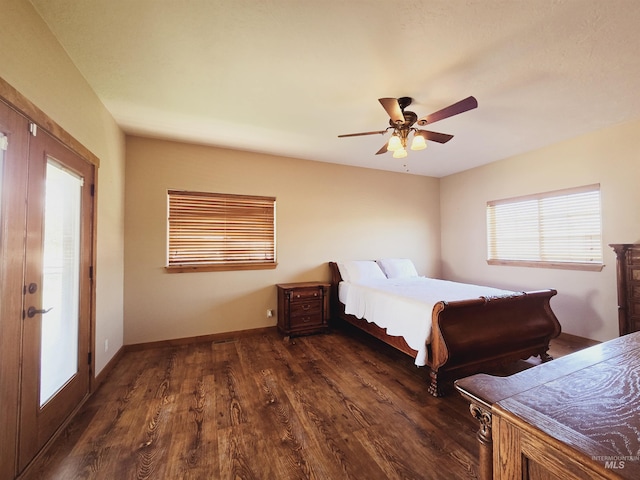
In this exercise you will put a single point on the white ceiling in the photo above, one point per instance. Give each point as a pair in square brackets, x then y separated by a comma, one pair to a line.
[287, 76]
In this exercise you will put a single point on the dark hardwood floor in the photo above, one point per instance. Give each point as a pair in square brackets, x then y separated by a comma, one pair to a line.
[336, 406]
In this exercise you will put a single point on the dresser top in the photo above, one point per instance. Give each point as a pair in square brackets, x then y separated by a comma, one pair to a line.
[589, 400]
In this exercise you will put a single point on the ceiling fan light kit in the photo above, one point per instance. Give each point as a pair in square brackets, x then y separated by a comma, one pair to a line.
[402, 121]
[394, 143]
[400, 153]
[418, 143]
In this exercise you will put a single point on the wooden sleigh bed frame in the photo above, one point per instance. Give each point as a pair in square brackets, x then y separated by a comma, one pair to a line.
[472, 336]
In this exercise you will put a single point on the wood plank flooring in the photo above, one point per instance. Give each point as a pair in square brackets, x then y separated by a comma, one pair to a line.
[335, 406]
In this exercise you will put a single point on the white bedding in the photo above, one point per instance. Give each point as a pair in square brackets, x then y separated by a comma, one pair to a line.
[404, 305]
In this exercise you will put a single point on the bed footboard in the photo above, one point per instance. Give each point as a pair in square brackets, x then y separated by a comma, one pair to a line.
[473, 335]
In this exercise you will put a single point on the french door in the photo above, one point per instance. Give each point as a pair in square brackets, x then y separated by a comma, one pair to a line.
[51, 261]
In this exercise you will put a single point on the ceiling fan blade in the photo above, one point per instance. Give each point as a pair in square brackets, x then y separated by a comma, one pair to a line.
[393, 109]
[383, 149]
[468, 103]
[434, 136]
[381, 132]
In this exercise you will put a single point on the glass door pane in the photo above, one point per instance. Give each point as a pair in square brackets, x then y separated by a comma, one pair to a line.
[61, 277]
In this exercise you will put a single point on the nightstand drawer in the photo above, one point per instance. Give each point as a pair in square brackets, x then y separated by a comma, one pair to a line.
[299, 294]
[308, 308]
[305, 321]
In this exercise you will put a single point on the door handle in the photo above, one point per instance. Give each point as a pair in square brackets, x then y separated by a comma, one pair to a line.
[33, 311]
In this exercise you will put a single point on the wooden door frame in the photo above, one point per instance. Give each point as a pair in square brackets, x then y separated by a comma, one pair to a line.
[10, 321]
[11, 385]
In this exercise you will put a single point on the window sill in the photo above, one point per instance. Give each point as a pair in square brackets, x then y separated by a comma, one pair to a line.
[219, 268]
[589, 267]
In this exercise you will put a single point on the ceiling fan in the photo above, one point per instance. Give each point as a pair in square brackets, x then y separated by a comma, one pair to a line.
[402, 121]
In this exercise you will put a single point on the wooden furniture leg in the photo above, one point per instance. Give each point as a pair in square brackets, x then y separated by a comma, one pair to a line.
[485, 441]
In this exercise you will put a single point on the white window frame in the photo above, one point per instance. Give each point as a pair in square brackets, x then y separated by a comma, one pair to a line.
[557, 229]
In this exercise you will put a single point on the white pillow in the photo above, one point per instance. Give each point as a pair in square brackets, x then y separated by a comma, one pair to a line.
[398, 267]
[359, 270]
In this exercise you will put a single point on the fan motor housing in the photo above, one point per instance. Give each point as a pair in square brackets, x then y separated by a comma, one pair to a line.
[409, 119]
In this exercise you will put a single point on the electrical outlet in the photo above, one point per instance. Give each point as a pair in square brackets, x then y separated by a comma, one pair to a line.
[106, 345]
[269, 313]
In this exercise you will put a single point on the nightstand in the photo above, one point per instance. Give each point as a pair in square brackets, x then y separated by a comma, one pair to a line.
[303, 308]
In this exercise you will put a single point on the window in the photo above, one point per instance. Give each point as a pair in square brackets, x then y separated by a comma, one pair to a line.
[560, 229]
[213, 231]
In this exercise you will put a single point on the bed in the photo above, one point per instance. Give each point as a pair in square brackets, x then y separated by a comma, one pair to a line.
[457, 336]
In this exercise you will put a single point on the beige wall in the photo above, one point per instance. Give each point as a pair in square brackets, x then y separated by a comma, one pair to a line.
[586, 302]
[324, 212]
[34, 63]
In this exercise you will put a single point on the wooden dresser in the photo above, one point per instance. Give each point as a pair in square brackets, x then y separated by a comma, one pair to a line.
[628, 274]
[303, 308]
[576, 417]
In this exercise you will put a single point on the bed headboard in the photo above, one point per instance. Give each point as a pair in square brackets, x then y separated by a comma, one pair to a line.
[336, 278]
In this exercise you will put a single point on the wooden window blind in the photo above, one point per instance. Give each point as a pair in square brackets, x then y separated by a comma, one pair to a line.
[560, 229]
[213, 231]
